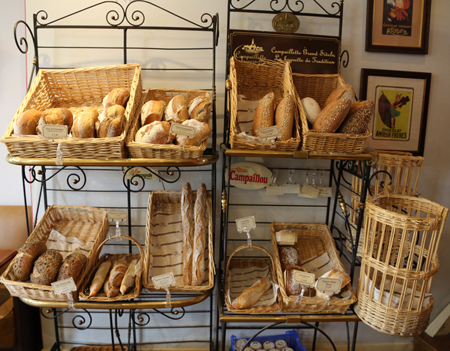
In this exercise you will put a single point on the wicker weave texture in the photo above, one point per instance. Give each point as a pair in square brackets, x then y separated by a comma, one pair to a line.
[254, 81]
[75, 89]
[169, 151]
[313, 240]
[84, 223]
[168, 203]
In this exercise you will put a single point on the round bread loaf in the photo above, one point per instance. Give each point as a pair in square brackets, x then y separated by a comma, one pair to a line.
[55, 116]
[23, 262]
[331, 117]
[151, 111]
[46, 268]
[84, 123]
[311, 108]
[289, 256]
[176, 110]
[72, 266]
[157, 132]
[284, 117]
[264, 113]
[118, 96]
[112, 123]
[27, 122]
[202, 132]
[358, 118]
[200, 108]
[343, 92]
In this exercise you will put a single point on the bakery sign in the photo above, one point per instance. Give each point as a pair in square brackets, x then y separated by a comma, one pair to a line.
[248, 175]
[307, 54]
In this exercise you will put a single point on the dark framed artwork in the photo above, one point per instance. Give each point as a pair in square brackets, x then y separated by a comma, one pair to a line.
[401, 106]
[400, 26]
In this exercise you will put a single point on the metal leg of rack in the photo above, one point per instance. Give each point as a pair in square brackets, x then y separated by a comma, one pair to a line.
[315, 336]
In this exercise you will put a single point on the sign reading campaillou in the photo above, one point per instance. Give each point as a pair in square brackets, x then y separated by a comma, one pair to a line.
[307, 54]
[247, 175]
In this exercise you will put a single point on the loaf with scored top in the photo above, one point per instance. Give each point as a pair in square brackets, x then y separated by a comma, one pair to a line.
[284, 117]
[72, 266]
[187, 218]
[264, 113]
[24, 260]
[200, 230]
[46, 268]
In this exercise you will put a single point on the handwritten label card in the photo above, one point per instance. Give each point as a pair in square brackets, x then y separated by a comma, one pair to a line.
[179, 129]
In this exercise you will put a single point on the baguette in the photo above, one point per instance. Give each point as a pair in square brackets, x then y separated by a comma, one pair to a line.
[252, 294]
[108, 289]
[201, 225]
[46, 268]
[284, 117]
[129, 277]
[99, 278]
[188, 232]
[24, 260]
[118, 271]
[72, 266]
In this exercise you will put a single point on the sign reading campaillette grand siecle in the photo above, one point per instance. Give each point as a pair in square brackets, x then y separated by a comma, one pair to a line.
[307, 54]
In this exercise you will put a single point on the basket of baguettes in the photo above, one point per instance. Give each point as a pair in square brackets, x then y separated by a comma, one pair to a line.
[94, 104]
[309, 248]
[172, 124]
[263, 112]
[114, 277]
[61, 247]
[179, 239]
[251, 283]
[332, 121]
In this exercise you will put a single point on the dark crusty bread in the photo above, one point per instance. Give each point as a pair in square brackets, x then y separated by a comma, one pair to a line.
[72, 266]
[331, 117]
[293, 288]
[46, 268]
[358, 118]
[23, 262]
[289, 256]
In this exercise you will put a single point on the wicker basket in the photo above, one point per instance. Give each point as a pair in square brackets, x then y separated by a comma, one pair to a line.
[84, 223]
[254, 81]
[99, 348]
[249, 263]
[313, 240]
[169, 151]
[162, 206]
[101, 296]
[75, 89]
[319, 87]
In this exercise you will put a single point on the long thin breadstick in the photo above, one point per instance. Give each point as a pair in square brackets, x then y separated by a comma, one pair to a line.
[201, 221]
[188, 232]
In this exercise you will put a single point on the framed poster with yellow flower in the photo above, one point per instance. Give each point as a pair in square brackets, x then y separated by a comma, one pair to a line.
[401, 105]
[400, 26]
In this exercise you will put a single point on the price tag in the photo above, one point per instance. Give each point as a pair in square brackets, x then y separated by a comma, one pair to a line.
[245, 224]
[286, 237]
[329, 285]
[51, 131]
[144, 173]
[304, 278]
[275, 189]
[64, 286]
[325, 191]
[291, 188]
[270, 132]
[179, 129]
[310, 191]
[163, 281]
[115, 216]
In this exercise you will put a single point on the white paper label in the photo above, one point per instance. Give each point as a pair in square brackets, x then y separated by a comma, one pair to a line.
[64, 286]
[179, 129]
[143, 173]
[270, 132]
[275, 189]
[329, 285]
[117, 216]
[163, 281]
[291, 188]
[325, 191]
[310, 191]
[51, 131]
[304, 278]
[245, 224]
[286, 237]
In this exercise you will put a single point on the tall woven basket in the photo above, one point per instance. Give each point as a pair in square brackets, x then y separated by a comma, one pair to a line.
[399, 258]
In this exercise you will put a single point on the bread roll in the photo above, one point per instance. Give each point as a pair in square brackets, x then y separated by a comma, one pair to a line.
[118, 96]
[151, 111]
[264, 113]
[343, 92]
[284, 117]
[111, 126]
[311, 108]
[46, 268]
[200, 230]
[72, 266]
[358, 118]
[176, 110]
[252, 294]
[129, 278]
[55, 116]
[155, 133]
[187, 211]
[27, 122]
[332, 116]
[202, 132]
[99, 277]
[289, 256]
[84, 123]
[200, 108]
[24, 260]
[117, 272]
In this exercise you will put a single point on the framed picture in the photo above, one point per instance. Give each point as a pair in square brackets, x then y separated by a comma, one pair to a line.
[400, 26]
[401, 106]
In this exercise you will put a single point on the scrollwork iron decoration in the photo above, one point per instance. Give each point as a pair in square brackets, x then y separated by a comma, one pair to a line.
[142, 319]
[136, 180]
[344, 58]
[72, 178]
[174, 311]
[382, 183]
[23, 42]
[294, 6]
[78, 321]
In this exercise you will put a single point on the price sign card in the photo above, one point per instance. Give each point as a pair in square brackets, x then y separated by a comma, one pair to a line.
[144, 173]
[163, 281]
[51, 131]
[329, 285]
[291, 188]
[245, 224]
[117, 216]
[310, 191]
[180, 129]
[275, 189]
[270, 132]
[304, 278]
[64, 286]
[325, 191]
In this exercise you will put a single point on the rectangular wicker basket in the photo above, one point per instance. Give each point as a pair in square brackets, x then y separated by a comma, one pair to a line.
[166, 151]
[319, 87]
[84, 223]
[75, 89]
[313, 240]
[168, 203]
[254, 81]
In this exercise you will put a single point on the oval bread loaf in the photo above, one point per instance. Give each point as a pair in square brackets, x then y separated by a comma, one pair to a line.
[264, 113]
[311, 108]
[46, 268]
[112, 125]
[55, 116]
[84, 123]
[332, 116]
[289, 256]
[23, 262]
[72, 266]
[118, 96]
[343, 92]
[27, 122]
[284, 117]
[202, 132]
[358, 118]
[152, 111]
[157, 132]
[200, 108]
[176, 110]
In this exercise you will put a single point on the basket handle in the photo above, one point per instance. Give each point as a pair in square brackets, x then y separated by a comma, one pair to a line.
[141, 250]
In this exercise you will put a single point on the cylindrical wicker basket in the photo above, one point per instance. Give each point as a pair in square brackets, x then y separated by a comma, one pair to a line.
[399, 258]
[256, 263]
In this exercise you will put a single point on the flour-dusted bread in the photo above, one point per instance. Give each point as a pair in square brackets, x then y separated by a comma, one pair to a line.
[84, 123]
[343, 92]
[72, 266]
[292, 287]
[289, 256]
[24, 260]
[157, 132]
[264, 113]
[251, 295]
[200, 108]
[311, 108]
[152, 111]
[55, 116]
[27, 122]
[112, 123]
[284, 117]
[118, 96]
[202, 132]
[332, 116]
[200, 231]
[176, 110]
[358, 117]
[187, 218]
[46, 268]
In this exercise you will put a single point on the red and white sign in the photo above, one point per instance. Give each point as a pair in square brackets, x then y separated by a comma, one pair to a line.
[247, 175]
